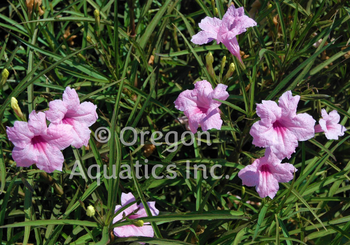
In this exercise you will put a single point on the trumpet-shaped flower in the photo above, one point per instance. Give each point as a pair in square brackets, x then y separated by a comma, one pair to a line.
[69, 111]
[265, 173]
[35, 143]
[329, 124]
[138, 228]
[200, 107]
[280, 128]
[233, 23]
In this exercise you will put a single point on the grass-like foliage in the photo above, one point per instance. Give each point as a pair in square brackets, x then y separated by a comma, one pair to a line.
[132, 59]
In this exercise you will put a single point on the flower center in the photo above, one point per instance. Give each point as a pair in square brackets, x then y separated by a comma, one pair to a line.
[68, 120]
[203, 109]
[38, 142]
[278, 127]
[265, 169]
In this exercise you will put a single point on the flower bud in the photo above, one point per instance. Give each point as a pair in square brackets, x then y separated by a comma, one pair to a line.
[97, 15]
[209, 63]
[223, 62]
[90, 211]
[230, 71]
[4, 75]
[209, 58]
[89, 40]
[216, 12]
[97, 21]
[16, 108]
[138, 223]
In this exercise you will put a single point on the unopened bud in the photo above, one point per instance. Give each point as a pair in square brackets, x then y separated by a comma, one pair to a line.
[209, 58]
[216, 11]
[88, 38]
[97, 21]
[16, 108]
[230, 71]
[223, 62]
[90, 211]
[138, 223]
[209, 63]
[97, 16]
[243, 191]
[4, 75]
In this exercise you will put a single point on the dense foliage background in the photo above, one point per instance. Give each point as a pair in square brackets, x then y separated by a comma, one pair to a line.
[132, 59]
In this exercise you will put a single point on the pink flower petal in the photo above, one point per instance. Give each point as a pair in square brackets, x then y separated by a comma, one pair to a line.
[71, 112]
[126, 212]
[59, 135]
[220, 93]
[265, 173]
[37, 123]
[37, 144]
[268, 185]
[127, 198]
[57, 111]
[318, 129]
[268, 111]
[334, 131]
[288, 103]
[333, 116]
[280, 128]
[85, 114]
[329, 123]
[301, 125]
[132, 230]
[24, 157]
[20, 135]
[212, 120]
[49, 158]
[142, 212]
[233, 46]
[284, 172]
[249, 175]
[71, 98]
[185, 100]
[281, 140]
[200, 107]
[137, 211]
[234, 22]
[80, 134]
[210, 27]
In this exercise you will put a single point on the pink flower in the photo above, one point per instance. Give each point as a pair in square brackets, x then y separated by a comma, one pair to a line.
[280, 128]
[133, 212]
[200, 107]
[71, 112]
[233, 23]
[35, 143]
[265, 173]
[330, 125]
[184, 120]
